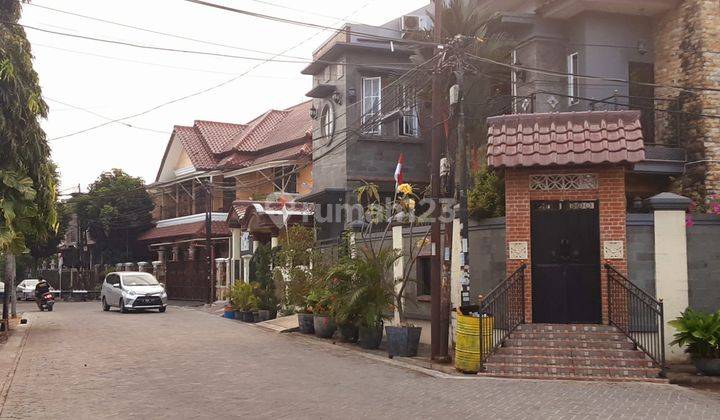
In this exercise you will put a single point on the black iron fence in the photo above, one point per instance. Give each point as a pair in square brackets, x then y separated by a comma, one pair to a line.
[637, 314]
[501, 311]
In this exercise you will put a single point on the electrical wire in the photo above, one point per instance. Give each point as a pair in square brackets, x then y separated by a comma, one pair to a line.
[128, 125]
[310, 24]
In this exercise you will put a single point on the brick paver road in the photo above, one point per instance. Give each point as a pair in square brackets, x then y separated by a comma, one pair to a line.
[189, 364]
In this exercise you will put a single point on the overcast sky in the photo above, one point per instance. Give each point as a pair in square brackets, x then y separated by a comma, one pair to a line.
[113, 81]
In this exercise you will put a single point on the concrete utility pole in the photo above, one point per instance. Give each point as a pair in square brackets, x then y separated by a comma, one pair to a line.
[461, 181]
[439, 338]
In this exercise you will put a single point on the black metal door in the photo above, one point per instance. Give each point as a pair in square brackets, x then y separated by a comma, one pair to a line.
[565, 262]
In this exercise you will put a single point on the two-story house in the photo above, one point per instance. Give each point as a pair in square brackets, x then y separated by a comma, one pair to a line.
[365, 114]
[206, 168]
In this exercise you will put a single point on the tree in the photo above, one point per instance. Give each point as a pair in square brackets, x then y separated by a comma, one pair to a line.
[116, 210]
[27, 181]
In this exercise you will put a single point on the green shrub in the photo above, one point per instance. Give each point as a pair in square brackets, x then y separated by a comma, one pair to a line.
[487, 196]
[699, 331]
[242, 297]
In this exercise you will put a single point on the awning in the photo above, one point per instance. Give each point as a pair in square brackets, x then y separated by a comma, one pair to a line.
[565, 138]
[194, 230]
[264, 215]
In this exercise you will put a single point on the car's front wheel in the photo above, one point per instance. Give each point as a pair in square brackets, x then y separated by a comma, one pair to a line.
[123, 309]
[105, 306]
[162, 309]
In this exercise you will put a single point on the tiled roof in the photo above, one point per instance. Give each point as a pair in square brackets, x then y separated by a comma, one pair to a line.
[295, 124]
[195, 147]
[287, 153]
[217, 145]
[187, 230]
[566, 138]
[219, 135]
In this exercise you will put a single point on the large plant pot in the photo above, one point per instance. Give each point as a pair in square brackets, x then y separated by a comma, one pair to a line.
[370, 337]
[709, 367]
[324, 326]
[306, 323]
[403, 341]
[349, 333]
[263, 315]
[244, 316]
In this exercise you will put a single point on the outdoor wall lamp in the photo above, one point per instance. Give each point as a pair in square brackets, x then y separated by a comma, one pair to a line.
[642, 47]
[313, 112]
[337, 97]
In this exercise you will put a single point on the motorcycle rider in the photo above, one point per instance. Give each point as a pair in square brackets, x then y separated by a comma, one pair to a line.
[41, 288]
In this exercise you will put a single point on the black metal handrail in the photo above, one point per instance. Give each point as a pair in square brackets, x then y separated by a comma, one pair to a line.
[637, 314]
[501, 311]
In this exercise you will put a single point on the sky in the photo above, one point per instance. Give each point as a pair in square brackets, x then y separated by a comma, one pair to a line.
[87, 82]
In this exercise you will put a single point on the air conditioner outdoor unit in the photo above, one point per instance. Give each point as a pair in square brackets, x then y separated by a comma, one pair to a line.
[410, 23]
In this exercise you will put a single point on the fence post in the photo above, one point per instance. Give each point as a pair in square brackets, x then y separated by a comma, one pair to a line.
[671, 270]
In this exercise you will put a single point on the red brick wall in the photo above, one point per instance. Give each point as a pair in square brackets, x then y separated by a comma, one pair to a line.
[610, 194]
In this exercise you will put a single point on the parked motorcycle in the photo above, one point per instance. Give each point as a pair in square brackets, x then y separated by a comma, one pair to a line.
[46, 302]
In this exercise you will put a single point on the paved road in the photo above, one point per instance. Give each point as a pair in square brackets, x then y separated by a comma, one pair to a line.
[190, 364]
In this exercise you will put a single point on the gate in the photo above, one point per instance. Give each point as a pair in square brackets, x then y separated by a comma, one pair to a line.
[187, 280]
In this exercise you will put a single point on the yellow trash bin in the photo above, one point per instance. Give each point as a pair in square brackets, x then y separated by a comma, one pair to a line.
[467, 341]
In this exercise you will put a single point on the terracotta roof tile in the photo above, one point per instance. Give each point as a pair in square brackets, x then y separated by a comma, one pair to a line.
[218, 135]
[303, 149]
[568, 138]
[296, 124]
[195, 147]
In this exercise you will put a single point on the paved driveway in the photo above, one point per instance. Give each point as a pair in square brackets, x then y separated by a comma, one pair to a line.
[85, 363]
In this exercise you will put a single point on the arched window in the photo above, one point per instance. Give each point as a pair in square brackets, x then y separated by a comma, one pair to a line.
[327, 122]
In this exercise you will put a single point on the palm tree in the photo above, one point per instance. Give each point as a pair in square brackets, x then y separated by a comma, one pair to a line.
[27, 176]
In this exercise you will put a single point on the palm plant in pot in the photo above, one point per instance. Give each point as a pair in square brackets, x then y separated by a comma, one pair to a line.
[403, 337]
[699, 334]
[243, 299]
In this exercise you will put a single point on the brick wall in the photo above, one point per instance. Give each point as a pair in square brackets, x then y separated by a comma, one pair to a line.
[686, 41]
[610, 194]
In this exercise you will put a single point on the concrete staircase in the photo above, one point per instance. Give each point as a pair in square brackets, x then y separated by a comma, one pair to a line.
[571, 351]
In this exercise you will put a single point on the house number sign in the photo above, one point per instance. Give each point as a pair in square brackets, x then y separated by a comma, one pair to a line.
[613, 250]
[518, 250]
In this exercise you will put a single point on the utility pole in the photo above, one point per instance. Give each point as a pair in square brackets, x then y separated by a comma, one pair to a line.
[439, 338]
[461, 181]
[208, 240]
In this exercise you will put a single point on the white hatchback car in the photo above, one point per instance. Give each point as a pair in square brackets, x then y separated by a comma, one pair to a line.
[26, 289]
[129, 290]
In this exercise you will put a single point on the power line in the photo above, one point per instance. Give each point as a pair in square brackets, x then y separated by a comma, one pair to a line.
[581, 76]
[310, 24]
[104, 117]
[36, 44]
[153, 31]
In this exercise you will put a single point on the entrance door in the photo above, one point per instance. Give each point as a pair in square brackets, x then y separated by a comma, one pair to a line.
[565, 262]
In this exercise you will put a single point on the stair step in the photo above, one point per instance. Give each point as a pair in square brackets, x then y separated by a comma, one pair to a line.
[567, 328]
[570, 361]
[572, 352]
[574, 377]
[582, 335]
[564, 370]
[576, 344]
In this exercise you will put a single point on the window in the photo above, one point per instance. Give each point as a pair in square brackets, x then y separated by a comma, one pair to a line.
[327, 122]
[327, 74]
[371, 106]
[423, 276]
[339, 71]
[409, 117]
[573, 84]
[285, 179]
[113, 279]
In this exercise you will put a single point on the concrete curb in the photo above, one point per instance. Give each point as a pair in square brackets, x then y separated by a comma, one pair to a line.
[10, 357]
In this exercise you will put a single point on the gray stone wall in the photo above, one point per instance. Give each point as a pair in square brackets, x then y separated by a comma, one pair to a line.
[704, 263]
[703, 243]
[487, 255]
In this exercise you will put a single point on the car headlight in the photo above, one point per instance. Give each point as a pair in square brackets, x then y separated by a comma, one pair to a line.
[130, 292]
[163, 294]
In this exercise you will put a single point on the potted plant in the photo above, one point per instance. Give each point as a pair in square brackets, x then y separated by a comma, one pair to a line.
[301, 268]
[264, 284]
[243, 299]
[321, 300]
[699, 334]
[403, 338]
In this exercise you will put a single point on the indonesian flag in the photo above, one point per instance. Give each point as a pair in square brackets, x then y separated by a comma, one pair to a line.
[398, 171]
